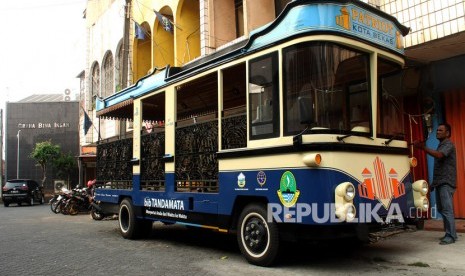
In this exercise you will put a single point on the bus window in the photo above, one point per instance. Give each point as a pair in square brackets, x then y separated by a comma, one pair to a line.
[335, 78]
[234, 119]
[263, 97]
[196, 141]
[390, 100]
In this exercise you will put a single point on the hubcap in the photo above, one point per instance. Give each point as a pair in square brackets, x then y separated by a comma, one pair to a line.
[255, 235]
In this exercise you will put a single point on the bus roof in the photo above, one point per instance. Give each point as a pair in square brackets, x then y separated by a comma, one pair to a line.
[351, 18]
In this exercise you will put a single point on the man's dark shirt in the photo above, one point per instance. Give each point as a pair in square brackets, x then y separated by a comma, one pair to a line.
[445, 168]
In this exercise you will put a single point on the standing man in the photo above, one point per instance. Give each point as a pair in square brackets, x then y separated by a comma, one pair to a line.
[444, 179]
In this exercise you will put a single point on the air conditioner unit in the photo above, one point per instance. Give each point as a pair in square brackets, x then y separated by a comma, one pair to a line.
[67, 95]
[58, 184]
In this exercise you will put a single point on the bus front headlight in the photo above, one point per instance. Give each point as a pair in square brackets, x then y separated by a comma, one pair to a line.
[346, 190]
[344, 195]
[422, 204]
[420, 186]
[420, 190]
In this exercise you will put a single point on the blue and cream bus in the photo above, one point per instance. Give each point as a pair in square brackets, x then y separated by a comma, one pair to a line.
[295, 132]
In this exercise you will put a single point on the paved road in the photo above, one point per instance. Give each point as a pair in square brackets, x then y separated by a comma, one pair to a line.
[34, 241]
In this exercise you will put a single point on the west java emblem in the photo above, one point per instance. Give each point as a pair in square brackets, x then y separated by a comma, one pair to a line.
[288, 193]
[381, 185]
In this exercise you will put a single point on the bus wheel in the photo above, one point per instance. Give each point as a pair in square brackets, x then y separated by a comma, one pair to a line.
[131, 227]
[258, 239]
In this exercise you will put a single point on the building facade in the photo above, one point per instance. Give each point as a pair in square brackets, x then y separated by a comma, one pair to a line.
[130, 39]
[435, 74]
[37, 119]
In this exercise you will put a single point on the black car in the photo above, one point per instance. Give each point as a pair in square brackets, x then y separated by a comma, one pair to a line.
[22, 190]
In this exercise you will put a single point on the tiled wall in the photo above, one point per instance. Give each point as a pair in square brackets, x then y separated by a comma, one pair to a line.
[427, 19]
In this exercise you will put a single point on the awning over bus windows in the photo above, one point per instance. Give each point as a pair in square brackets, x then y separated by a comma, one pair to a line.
[122, 111]
[121, 105]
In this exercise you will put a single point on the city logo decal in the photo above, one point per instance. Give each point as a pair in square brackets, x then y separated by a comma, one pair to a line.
[261, 178]
[241, 180]
[381, 185]
[288, 193]
[369, 26]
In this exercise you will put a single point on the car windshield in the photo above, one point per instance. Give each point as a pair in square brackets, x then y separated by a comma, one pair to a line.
[14, 184]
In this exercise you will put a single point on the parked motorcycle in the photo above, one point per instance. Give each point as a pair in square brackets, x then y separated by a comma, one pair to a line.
[78, 202]
[95, 211]
[58, 200]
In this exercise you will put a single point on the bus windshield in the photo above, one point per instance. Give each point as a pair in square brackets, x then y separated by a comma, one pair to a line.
[335, 78]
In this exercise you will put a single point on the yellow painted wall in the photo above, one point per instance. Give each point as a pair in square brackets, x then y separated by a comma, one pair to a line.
[95, 9]
[188, 33]
[163, 43]
[160, 50]
[142, 62]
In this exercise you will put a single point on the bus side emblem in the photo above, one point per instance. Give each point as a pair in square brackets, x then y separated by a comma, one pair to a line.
[381, 186]
[288, 193]
[241, 180]
[261, 178]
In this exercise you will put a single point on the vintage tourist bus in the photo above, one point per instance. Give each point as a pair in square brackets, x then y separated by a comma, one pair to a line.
[294, 132]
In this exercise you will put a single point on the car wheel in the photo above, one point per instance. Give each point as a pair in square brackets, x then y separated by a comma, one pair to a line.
[258, 238]
[6, 204]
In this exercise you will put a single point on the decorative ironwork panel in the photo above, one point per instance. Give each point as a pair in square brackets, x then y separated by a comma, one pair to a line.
[234, 132]
[152, 165]
[113, 161]
[196, 161]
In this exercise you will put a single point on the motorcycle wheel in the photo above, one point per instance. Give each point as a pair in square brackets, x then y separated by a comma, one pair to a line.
[96, 215]
[73, 209]
[63, 206]
[55, 206]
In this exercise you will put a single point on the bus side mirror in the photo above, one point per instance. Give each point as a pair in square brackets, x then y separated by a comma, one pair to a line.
[306, 110]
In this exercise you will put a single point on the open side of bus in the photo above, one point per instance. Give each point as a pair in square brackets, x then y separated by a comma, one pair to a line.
[294, 133]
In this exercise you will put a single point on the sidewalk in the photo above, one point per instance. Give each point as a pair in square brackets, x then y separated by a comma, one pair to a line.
[437, 225]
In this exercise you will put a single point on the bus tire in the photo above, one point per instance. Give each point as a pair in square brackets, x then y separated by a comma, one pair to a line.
[258, 239]
[130, 226]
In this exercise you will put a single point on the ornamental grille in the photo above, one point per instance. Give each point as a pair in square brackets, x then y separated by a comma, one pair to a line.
[234, 132]
[196, 164]
[113, 163]
[152, 165]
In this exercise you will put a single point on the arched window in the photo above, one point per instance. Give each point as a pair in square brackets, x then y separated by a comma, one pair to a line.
[108, 87]
[94, 85]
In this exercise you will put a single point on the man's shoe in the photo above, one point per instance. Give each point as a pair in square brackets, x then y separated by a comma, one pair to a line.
[447, 241]
[445, 237]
